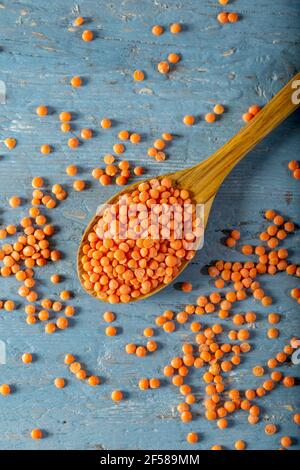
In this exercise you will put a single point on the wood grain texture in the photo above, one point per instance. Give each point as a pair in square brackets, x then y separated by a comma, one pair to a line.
[236, 65]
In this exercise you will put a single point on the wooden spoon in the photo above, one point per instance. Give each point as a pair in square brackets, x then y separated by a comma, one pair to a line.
[204, 179]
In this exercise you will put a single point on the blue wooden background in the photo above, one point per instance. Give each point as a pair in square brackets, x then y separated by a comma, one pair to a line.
[237, 65]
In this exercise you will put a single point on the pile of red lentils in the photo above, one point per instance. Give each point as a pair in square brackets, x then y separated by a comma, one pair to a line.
[120, 269]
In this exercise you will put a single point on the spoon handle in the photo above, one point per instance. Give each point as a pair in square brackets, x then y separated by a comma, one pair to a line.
[206, 177]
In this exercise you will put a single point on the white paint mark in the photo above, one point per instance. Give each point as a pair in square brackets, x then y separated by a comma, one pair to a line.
[229, 52]
[75, 215]
[145, 91]
[39, 35]
[258, 90]
[49, 49]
